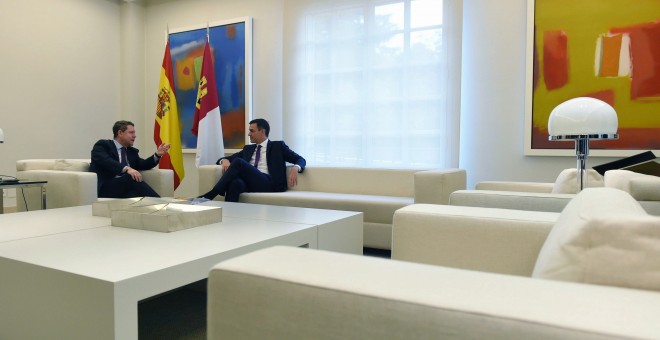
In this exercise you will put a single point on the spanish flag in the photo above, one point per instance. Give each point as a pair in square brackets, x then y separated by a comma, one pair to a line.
[167, 128]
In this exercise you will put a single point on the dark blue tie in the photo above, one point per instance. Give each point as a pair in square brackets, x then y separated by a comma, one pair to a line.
[124, 161]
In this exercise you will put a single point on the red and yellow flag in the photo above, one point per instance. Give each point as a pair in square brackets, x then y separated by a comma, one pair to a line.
[167, 128]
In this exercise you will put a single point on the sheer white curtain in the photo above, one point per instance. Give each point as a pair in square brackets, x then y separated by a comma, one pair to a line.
[373, 83]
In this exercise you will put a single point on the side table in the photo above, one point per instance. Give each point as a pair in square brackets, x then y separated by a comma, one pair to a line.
[22, 184]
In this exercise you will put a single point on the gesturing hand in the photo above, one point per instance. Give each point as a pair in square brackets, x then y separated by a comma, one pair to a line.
[162, 149]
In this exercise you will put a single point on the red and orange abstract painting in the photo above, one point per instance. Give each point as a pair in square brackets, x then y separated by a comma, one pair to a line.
[606, 49]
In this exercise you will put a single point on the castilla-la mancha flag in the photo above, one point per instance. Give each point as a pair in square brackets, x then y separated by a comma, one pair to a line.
[206, 124]
[167, 128]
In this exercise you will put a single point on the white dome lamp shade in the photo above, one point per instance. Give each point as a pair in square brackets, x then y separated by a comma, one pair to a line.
[582, 119]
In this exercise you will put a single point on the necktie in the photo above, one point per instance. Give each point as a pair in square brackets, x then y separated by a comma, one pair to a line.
[256, 158]
[124, 161]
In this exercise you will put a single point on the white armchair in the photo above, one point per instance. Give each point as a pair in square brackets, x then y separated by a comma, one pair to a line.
[71, 184]
[644, 188]
[553, 197]
[566, 183]
[301, 293]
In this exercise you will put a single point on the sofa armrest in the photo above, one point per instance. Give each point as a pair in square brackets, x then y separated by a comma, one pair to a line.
[532, 201]
[515, 186]
[645, 189]
[484, 239]
[640, 186]
[209, 175]
[291, 293]
[435, 186]
[161, 180]
[64, 189]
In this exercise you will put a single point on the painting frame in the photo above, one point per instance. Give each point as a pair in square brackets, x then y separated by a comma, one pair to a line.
[533, 123]
[231, 48]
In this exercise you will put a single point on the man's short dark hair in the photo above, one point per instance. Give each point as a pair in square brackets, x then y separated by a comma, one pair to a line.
[120, 125]
[261, 124]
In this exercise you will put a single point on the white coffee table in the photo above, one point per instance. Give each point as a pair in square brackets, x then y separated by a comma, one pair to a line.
[73, 276]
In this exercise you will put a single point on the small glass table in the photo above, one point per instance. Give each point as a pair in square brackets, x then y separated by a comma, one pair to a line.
[22, 184]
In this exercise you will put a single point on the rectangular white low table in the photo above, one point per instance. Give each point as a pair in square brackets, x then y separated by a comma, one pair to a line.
[70, 275]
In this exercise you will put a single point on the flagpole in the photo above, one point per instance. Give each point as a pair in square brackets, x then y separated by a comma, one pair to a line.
[207, 32]
[167, 33]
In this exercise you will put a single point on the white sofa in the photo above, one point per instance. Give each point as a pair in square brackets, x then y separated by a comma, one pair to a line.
[300, 293]
[71, 184]
[375, 192]
[553, 197]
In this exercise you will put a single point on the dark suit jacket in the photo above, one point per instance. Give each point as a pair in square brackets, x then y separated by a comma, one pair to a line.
[105, 160]
[277, 154]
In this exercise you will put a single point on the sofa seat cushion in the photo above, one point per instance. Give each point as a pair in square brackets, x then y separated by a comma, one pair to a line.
[376, 209]
[603, 236]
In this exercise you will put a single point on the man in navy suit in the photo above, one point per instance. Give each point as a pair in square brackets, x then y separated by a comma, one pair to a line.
[259, 167]
[116, 163]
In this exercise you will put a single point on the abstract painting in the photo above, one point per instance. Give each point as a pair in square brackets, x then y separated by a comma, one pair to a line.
[230, 43]
[605, 49]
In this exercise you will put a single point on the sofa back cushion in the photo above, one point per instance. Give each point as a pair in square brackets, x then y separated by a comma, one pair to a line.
[603, 236]
[72, 165]
[35, 164]
[385, 182]
[53, 164]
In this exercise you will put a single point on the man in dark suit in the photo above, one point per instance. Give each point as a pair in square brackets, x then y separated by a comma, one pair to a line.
[259, 167]
[116, 163]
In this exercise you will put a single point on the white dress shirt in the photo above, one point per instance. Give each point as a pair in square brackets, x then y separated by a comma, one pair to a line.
[263, 163]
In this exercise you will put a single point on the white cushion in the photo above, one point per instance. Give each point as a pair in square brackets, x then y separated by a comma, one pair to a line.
[567, 183]
[34, 164]
[72, 165]
[603, 236]
[640, 186]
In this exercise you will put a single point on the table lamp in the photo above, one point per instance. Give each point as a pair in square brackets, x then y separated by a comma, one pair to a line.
[2, 136]
[582, 119]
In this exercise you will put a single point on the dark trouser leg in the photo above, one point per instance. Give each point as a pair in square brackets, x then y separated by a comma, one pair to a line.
[253, 180]
[143, 189]
[126, 187]
[236, 188]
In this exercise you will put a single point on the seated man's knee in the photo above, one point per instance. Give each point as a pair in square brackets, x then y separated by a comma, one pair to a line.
[238, 162]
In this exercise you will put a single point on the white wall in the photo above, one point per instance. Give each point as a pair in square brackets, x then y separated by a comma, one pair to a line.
[59, 77]
[493, 97]
[66, 78]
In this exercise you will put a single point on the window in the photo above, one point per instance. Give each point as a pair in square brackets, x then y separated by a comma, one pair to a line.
[372, 85]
